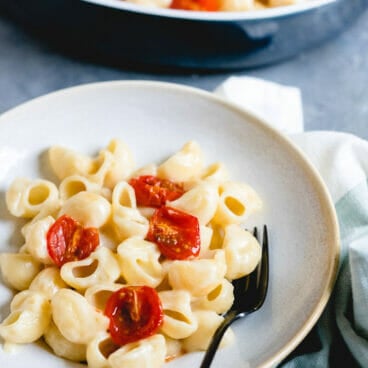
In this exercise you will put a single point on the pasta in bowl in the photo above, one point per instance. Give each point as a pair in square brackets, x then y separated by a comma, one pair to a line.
[156, 120]
[125, 266]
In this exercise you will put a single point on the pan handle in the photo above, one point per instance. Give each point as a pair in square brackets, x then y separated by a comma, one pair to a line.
[259, 34]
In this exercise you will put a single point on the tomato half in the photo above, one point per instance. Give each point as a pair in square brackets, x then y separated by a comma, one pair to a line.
[154, 192]
[199, 5]
[68, 240]
[135, 312]
[175, 232]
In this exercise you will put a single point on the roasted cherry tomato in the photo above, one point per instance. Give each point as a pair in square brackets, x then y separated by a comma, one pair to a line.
[199, 5]
[135, 312]
[68, 240]
[154, 192]
[175, 232]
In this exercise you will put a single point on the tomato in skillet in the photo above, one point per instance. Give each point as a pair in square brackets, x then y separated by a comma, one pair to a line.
[68, 240]
[175, 232]
[135, 312]
[199, 5]
[154, 192]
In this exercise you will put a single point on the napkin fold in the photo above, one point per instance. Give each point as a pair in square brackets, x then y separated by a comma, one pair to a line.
[340, 338]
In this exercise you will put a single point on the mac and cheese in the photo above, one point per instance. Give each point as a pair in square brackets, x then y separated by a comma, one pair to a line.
[126, 267]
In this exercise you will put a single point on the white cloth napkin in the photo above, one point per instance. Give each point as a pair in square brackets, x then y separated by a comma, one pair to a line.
[280, 105]
[341, 335]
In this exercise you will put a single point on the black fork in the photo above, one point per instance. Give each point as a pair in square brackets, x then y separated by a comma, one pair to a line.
[249, 294]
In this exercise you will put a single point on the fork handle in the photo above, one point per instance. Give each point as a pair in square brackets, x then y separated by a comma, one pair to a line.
[229, 318]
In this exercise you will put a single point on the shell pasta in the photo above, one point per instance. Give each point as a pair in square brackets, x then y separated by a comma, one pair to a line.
[216, 5]
[126, 266]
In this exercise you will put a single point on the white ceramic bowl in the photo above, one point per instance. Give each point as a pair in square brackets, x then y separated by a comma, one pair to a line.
[155, 119]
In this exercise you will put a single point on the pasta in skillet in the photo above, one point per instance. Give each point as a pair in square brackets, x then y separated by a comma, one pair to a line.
[123, 266]
[216, 5]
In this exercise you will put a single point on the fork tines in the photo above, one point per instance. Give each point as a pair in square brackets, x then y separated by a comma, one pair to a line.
[259, 277]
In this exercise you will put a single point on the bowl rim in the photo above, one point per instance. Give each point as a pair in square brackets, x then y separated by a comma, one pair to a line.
[270, 13]
[327, 204]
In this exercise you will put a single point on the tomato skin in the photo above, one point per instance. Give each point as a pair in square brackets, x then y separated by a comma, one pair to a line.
[135, 313]
[198, 5]
[176, 233]
[154, 192]
[68, 240]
